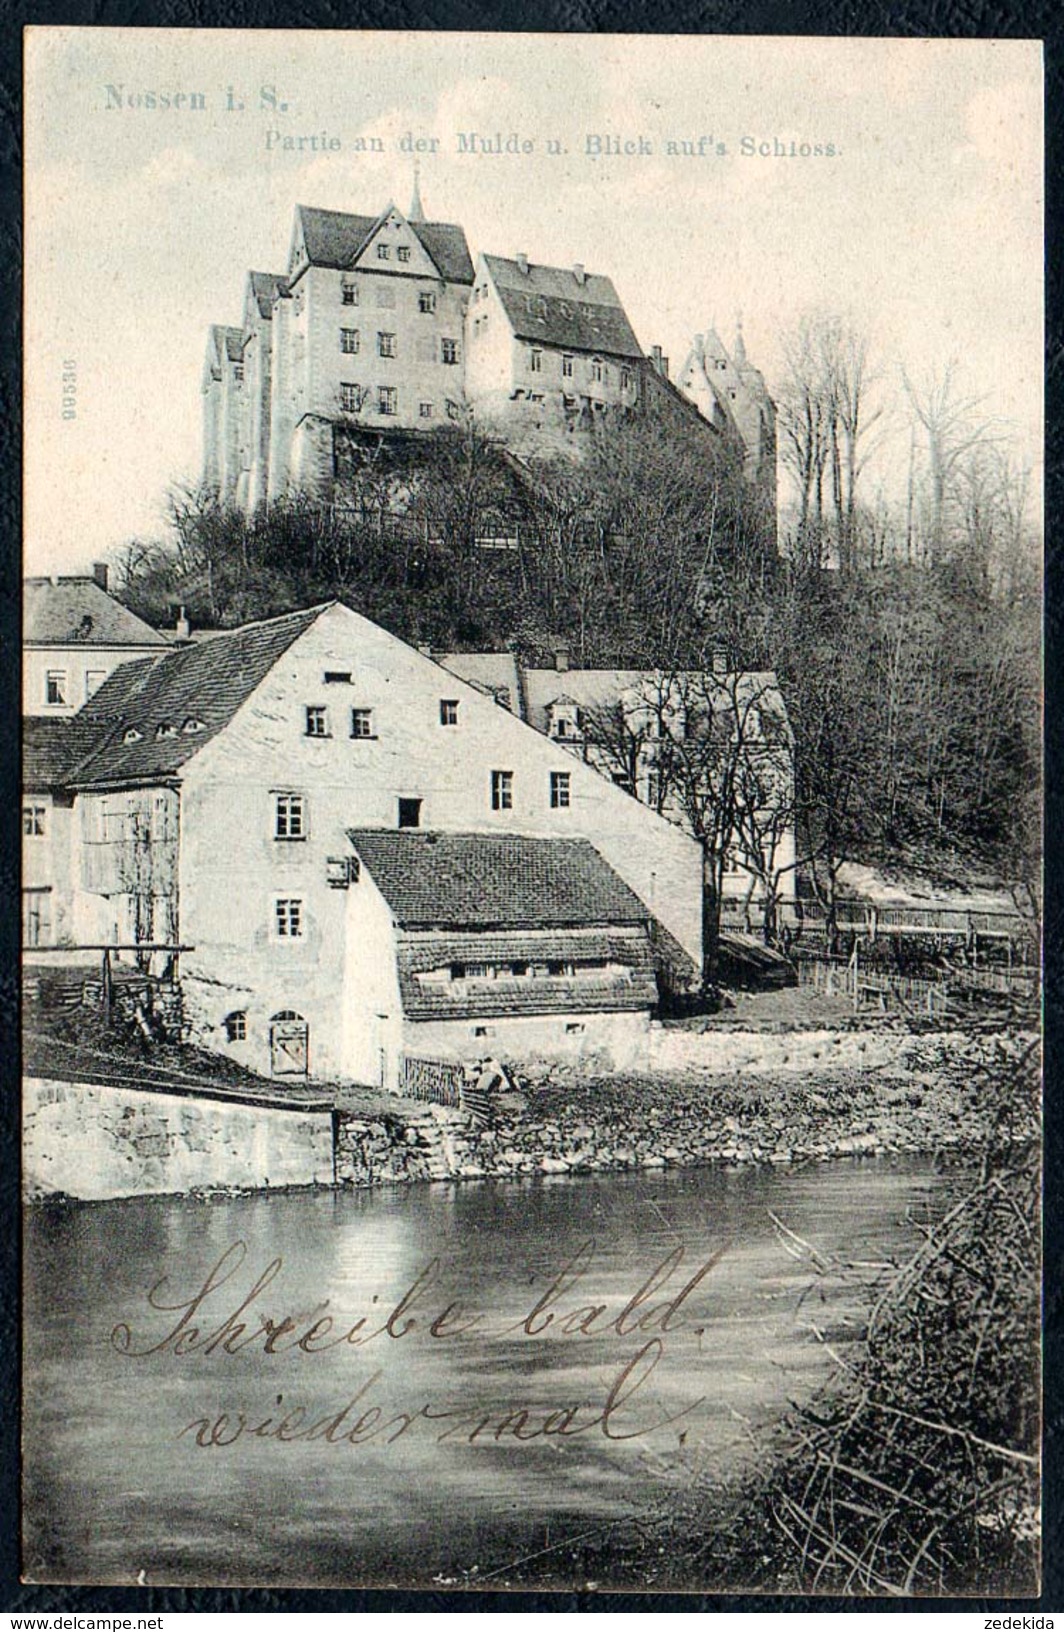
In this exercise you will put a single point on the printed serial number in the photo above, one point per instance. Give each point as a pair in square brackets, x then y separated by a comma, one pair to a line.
[69, 399]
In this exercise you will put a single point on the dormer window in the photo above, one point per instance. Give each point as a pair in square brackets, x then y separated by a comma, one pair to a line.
[192, 726]
[133, 735]
[165, 730]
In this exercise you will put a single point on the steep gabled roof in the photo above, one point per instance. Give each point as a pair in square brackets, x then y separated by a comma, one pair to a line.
[334, 238]
[80, 612]
[193, 691]
[549, 304]
[264, 288]
[494, 880]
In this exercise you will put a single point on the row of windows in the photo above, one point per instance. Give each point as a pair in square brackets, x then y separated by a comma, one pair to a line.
[291, 811]
[317, 716]
[384, 297]
[388, 346]
[58, 692]
[353, 398]
[596, 370]
[554, 968]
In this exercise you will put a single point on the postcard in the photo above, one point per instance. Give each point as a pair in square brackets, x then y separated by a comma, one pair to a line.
[531, 812]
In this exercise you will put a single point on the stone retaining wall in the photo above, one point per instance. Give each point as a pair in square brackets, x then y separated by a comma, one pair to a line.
[96, 1143]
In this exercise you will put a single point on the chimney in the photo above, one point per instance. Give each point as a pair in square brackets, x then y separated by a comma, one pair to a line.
[99, 573]
[182, 627]
[658, 363]
[561, 657]
[578, 272]
[522, 263]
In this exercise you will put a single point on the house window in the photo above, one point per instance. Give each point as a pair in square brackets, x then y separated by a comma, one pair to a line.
[388, 399]
[33, 821]
[449, 351]
[567, 368]
[626, 379]
[55, 685]
[410, 813]
[317, 721]
[535, 360]
[337, 677]
[559, 790]
[384, 252]
[448, 711]
[288, 918]
[403, 252]
[36, 918]
[362, 722]
[349, 294]
[386, 345]
[289, 816]
[236, 1026]
[596, 368]
[502, 790]
[238, 371]
[349, 341]
[94, 679]
[350, 398]
[426, 301]
[424, 410]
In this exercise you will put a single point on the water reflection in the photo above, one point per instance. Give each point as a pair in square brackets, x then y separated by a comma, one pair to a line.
[112, 1489]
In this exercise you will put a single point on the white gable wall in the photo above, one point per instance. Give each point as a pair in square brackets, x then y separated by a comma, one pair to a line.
[232, 868]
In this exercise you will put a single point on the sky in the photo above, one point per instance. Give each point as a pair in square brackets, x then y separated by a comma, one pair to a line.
[919, 218]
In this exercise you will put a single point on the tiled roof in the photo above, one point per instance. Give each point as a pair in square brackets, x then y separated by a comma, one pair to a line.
[266, 286]
[629, 985]
[50, 748]
[334, 238]
[547, 303]
[200, 684]
[79, 612]
[481, 880]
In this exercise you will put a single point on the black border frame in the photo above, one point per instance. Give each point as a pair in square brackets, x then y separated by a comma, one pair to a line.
[1018, 19]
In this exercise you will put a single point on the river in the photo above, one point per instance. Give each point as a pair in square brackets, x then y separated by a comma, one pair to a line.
[535, 1361]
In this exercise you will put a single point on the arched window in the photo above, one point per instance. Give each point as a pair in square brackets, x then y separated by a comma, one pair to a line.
[236, 1026]
[285, 1014]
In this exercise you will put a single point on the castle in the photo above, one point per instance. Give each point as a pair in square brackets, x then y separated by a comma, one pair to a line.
[383, 327]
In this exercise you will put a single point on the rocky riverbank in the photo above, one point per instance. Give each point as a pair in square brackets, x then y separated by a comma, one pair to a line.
[942, 1092]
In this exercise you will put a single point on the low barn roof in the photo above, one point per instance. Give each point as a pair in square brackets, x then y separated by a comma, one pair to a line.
[51, 748]
[628, 984]
[478, 880]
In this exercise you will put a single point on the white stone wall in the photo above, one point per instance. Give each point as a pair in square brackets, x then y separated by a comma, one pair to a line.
[620, 1041]
[232, 868]
[95, 1143]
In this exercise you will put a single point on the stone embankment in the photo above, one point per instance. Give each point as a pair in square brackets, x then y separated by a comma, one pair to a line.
[939, 1092]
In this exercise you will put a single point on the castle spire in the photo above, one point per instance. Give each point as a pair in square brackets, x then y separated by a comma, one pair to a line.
[740, 343]
[416, 211]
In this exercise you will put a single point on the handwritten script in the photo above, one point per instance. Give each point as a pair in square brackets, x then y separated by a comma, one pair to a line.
[231, 1311]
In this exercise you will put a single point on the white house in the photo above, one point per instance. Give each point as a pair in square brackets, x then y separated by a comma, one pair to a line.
[74, 635]
[492, 943]
[213, 802]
